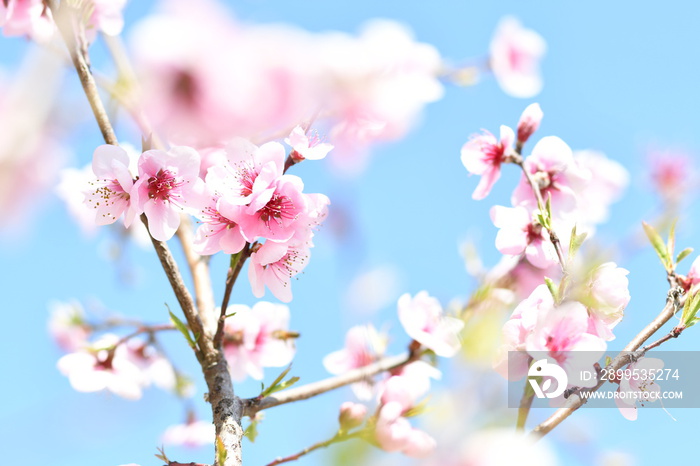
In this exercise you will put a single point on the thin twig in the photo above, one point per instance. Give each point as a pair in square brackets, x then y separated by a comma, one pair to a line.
[335, 439]
[253, 405]
[231, 278]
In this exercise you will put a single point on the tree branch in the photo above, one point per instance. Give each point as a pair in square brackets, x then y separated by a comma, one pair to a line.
[253, 405]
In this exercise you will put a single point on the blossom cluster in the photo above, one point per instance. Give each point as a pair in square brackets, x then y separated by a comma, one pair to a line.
[399, 392]
[242, 197]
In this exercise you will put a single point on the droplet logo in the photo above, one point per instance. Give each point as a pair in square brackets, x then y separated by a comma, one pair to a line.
[546, 371]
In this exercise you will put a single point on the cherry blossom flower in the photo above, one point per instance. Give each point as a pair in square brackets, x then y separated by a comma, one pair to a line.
[191, 434]
[693, 277]
[393, 432]
[67, 325]
[638, 387]
[351, 415]
[217, 232]
[417, 375]
[423, 320]
[154, 366]
[106, 17]
[515, 55]
[168, 184]
[553, 169]
[483, 154]
[27, 18]
[672, 174]
[257, 337]
[518, 234]
[305, 147]
[517, 330]
[110, 194]
[69, 190]
[529, 122]
[103, 368]
[610, 294]
[599, 183]
[363, 346]
[561, 334]
[273, 265]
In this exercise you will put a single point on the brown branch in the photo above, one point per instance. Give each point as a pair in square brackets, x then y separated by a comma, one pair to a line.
[226, 407]
[335, 439]
[231, 278]
[625, 357]
[253, 405]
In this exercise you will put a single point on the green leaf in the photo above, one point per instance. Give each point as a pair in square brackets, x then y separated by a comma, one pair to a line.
[552, 288]
[286, 384]
[162, 456]
[274, 383]
[690, 310]
[575, 243]
[671, 244]
[608, 361]
[658, 245]
[182, 328]
[221, 452]
[251, 432]
[683, 254]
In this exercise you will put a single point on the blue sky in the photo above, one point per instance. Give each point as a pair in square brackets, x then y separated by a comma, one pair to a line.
[617, 79]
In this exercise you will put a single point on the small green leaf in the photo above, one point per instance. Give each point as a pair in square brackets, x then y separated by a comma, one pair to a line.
[251, 432]
[221, 452]
[683, 254]
[575, 243]
[286, 384]
[418, 409]
[671, 244]
[658, 245]
[182, 328]
[690, 310]
[271, 388]
[552, 288]
[162, 456]
[608, 361]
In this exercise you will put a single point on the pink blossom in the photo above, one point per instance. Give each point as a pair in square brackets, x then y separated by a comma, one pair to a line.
[106, 17]
[561, 334]
[70, 190]
[351, 415]
[483, 154]
[110, 194]
[416, 377]
[67, 325]
[517, 330]
[529, 122]
[393, 432]
[363, 346]
[305, 147]
[672, 174]
[639, 386]
[693, 277]
[192, 434]
[155, 367]
[273, 265]
[552, 167]
[518, 234]
[610, 294]
[599, 182]
[257, 337]
[217, 232]
[515, 55]
[27, 18]
[168, 184]
[422, 318]
[104, 367]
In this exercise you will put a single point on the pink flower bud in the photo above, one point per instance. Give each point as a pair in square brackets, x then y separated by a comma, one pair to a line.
[351, 415]
[529, 122]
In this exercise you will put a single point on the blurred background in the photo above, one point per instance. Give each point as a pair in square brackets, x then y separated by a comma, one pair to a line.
[617, 79]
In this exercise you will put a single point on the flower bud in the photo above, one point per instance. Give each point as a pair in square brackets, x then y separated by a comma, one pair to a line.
[351, 415]
[529, 122]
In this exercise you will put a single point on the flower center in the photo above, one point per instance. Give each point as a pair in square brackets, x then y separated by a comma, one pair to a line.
[279, 208]
[160, 185]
